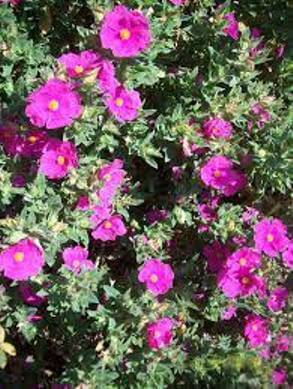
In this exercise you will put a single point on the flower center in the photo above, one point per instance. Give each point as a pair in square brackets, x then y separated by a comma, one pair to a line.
[53, 105]
[157, 334]
[154, 278]
[61, 160]
[119, 102]
[270, 237]
[215, 130]
[245, 280]
[125, 34]
[78, 69]
[107, 224]
[217, 173]
[76, 263]
[107, 177]
[242, 261]
[32, 139]
[254, 327]
[18, 256]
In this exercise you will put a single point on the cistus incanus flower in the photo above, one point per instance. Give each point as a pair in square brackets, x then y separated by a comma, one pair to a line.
[178, 2]
[78, 65]
[277, 299]
[76, 259]
[110, 229]
[219, 173]
[125, 32]
[157, 276]
[53, 105]
[256, 330]
[22, 260]
[270, 237]
[217, 127]
[232, 27]
[33, 143]
[279, 377]
[123, 104]
[57, 159]
[287, 256]
[159, 333]
[244, 258]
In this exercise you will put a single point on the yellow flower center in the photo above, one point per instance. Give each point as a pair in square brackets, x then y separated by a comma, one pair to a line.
[125, 34]
[78, 69]
[154, 278]
[75, 263]
[53, 105]
[61, 160]
[157, 334]
[242, 261]
[270, 237]
[107, 224]
[32, 139]
[19, 256]
[107, 177]
[217, 173]
[119, 102]
[254, 327]
[245, 280]
[215, 130]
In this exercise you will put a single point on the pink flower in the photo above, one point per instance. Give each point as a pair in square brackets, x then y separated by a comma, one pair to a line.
[11, 140]
[123, 104]
[28, 295]
[53, 105]
[216, 255]
[249, 215]
[83, 203]
[219, 173]
[256, 330]
[178, 2]
[207, 213]
[107, 81]
[217, 128]
[57, 159]
[78, 65]
[229, 312]
[287, 256]
[159, 333]
[279, 377]
[109, 229]
[76, 259]
[33, 143]
[100, 213]
[256, 35]
[244, 258]
[265, 353]
[277, 300]
[126, 32]
[177, 173]
[231, 29]
[157, 276]
[263, 115]
[283, 344]
[12, 2]
[156, 215]
[22, 260]
[270, 236]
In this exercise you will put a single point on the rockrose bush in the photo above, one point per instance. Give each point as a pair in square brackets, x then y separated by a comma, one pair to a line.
[144, 194]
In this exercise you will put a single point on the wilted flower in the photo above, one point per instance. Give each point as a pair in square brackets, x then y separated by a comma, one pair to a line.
[57, 159]
[270, 236]
[22, 260]
[157, 276]
[126, 32]
[53, 105]
[159, 333]
[156, 215]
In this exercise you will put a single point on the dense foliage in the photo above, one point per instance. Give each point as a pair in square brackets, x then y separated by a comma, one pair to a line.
[144, 202]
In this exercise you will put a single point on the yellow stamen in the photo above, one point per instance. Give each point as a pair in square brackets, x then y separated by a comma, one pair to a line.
[107, 177]
[107, 224]
[242, 261]
[78, 69]
[19, 256]
[154, 278]
[119, 102]
[245, 280]
[157, 334]
[217, 173]
[125, 34]
[32, 139]
[270, 237]
[53, 105]
[61, 160]
[254, 327]
[76, 263]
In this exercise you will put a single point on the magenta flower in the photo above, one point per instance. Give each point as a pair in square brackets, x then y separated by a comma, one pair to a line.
[83, 203]
[244, 258]
[287, 256]
[178, 2]
[125, 32]
[207, 213]
[107, 81]
[263, 116]
[216, 255]
[76, 259]
[256, 330]
[53, 105]
[159, 333]
[156, 215]
[279, 377]
[29, 297]
[270, 237]
[229, 312]
[33, 143]
[22, 260]
[78, 65]
[57, 159]
[100, 213]
[219, 173]
[109, 229]
[232, 28]
[283, 344]
[18, 181]
[11, 141]
[157, 276]
[112, 174]
[123, 104]
[277, 300]
[249, 215]
[217, 128]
